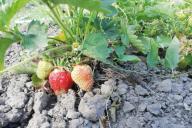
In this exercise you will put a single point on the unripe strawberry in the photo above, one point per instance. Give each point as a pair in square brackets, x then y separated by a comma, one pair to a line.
[190, 21]
[60, 80]
[82, 75]
[43, 69]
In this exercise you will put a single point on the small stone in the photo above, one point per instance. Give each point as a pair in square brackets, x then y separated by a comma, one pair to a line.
[29, 84]
[187, 107]
[141, 91]
[148, 116]
[76, 123]
[5, 108]
[72, 114]
[142, 107]
[20, 102]
[107, 87]
[58, 123]
[132, 122]
[154, 108]
[14, 115]
[178, 98]
[96, 91]
[190, 89]
[92, 107]
[165, 86]
[178, 88]
[122, 88]
[39, 121]
[40, 101]
[67, 100]
[128, 107]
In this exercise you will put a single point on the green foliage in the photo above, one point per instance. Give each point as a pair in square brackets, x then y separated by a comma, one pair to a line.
[4, 44]
[92, 5]
[105, 29]
[152, 56]
[37, 83]
[35, 37]
[120, 51]
[172, 54]
[9, 12]
[96, 46]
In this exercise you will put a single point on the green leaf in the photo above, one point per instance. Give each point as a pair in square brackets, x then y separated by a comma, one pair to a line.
[96, 46]
[37, 83]
[163, 41]
[172, 54]
[130, 58]
[92, 5]
[160, 9]
[36, 36]
[4, 45]
[152, 57]
[120, 51]
[125, 39]
[7, 14]
[134, 40]
[27, 67]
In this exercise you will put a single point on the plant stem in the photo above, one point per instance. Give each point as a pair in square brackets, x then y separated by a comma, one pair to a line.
[31, 58]
[58, 19]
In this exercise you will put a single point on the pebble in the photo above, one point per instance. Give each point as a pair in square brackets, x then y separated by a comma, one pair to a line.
[40, 101]
[108, 87]
[76, 123]
[92, 107]
[178, 88]
[20, 102]
[165, 86]
[141, 91]
[39, 121]
[122, 88]
[127, 107]
[132, 122]
[154, 108]
[14, 115]
[71, 114]
[142, 107]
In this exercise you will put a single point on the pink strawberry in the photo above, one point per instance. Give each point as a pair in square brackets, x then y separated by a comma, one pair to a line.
[82, 75]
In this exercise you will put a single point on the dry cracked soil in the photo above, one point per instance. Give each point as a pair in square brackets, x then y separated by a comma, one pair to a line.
[154, 102]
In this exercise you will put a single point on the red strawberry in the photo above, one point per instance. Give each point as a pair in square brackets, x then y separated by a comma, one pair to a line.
[60, 80]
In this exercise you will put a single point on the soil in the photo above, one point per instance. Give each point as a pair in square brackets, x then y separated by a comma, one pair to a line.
[135, 101]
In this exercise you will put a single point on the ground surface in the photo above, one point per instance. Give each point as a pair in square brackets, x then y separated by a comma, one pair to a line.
[151, 102]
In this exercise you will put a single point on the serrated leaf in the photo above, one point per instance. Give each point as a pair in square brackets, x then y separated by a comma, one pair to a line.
[36, 36]
[4, 45]
[172, 54]
[92, 5]
[152, 57]
[95, 45]
[7, 14]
